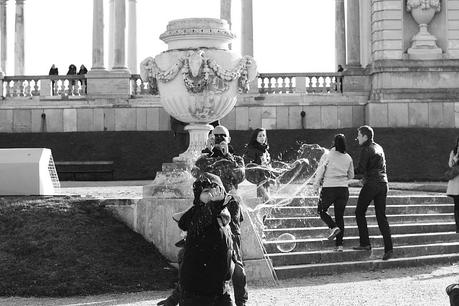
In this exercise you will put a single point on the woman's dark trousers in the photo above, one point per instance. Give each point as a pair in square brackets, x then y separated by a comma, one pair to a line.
[376, 192]
[338, 196]
[456, 211]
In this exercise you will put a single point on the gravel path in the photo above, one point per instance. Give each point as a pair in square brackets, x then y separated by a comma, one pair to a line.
[408, 286]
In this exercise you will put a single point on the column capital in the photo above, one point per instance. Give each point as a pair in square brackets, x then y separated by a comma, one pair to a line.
[3, 2]
[19, 2]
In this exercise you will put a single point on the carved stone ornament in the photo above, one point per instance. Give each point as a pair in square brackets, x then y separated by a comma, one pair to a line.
[423, 43]
[198, 77]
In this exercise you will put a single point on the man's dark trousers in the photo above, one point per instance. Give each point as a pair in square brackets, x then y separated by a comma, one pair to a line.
[376, 192]
[239, 278]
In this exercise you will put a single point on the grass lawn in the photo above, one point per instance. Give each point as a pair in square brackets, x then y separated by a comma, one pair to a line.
[64, 246]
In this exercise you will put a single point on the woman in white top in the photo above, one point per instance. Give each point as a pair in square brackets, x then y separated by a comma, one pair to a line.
[453, 184]
[335, 170]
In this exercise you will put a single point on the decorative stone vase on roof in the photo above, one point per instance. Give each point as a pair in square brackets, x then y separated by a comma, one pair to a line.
[198, 77]
[423, 43]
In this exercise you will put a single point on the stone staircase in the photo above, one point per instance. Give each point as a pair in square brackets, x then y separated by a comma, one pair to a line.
[422, 227]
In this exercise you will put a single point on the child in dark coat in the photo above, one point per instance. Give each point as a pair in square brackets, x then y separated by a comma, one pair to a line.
[207, 263]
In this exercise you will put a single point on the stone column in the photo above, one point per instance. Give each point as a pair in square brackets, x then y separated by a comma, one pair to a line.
[225, 14]
[19, 39]
[340, 34]
[111, 32]
[3, 52]
[247, 27]
[132, 37]
[225, 11]
[353, 34]
[119, 61]
[98, 35]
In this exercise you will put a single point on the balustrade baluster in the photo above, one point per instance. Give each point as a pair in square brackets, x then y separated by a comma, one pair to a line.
[278, 85]
[141, 86]
[8, 89]
[310, 85]
[15, 89]
[290, 87]
[283, 85]
[323, 84]
[26, 88]
[262, 85]
[145, 88]
[270, 85]
[21, 88]
[58, 87]
[36, 91]
[76, 88]
[66, 87]
[333, 84]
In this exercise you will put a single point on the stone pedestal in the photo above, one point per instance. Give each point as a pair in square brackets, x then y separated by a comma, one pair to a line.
[356, 82]
[198, 138]
[45, 88]
[424, 45]
[112, 84]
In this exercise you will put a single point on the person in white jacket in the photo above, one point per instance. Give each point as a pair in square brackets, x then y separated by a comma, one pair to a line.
[453, 184]
[333, 174]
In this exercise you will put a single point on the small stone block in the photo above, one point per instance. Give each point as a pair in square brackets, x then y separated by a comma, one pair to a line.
[22, 120]
[153, 119]
[242, 118]
[255, 117]
[282, 118]
[329, 117]
[312, 117]
[125, 119]
[85, 119]
[54, 120]
[398, 114]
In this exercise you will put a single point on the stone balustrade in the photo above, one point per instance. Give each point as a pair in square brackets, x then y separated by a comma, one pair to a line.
[44, 85]
[309, 83]
[76, 85]
[140, 87]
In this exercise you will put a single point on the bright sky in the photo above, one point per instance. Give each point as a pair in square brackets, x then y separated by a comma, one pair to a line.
[289, 35]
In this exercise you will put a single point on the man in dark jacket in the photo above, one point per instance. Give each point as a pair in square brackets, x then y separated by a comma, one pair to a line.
[230, 168]
[372, 166]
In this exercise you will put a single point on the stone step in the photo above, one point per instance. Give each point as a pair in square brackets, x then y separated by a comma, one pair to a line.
[288, 222]
[352, 230]
[330, 256]
[310, 211]
[321, 244]
[296, 271]
[391, 200]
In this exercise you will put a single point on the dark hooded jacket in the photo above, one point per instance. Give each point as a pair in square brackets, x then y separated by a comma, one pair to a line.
[207, 261]
[230, 168]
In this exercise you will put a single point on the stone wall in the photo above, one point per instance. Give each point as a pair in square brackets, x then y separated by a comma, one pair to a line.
[146, 114]
[412, 153]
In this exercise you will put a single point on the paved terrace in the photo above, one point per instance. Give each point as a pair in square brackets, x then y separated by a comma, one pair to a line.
[404, 286]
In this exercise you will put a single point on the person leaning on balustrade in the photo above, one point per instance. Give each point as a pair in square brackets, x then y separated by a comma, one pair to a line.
[83, 70]
[53, 71]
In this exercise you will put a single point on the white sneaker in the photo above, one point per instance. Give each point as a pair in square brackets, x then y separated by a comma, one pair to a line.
[339, 248]
[333, 232]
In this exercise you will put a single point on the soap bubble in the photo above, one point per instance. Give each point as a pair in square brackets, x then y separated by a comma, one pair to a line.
[286, 247]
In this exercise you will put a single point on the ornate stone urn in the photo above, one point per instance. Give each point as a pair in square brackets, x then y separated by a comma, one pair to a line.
[198, 77]
[423, 43]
